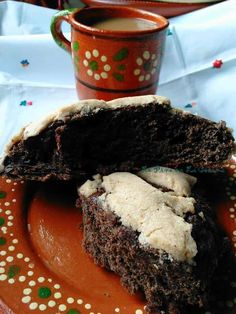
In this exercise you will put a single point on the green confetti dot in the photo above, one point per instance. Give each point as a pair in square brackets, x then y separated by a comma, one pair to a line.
[44, 292]
[2, 221]
[147, 66]
[121, 54]
[93, 65]
[119, 77]
[121, 67]
[76, 46]
[2, 194]
[13, 271]
[2, 240]
[73, 311]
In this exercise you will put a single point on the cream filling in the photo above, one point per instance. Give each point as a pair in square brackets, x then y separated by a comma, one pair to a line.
[157, 215]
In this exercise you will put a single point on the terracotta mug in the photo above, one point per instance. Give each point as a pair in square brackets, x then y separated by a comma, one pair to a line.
[112, 63]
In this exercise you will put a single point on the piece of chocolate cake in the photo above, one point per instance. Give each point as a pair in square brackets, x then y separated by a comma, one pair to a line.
[125, 134]
[155, 233]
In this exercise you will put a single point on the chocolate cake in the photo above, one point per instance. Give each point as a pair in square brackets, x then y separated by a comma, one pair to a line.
[125, 134]
[154, 231]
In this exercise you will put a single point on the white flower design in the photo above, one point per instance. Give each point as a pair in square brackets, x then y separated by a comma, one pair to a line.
[96, 64]
[146, 66]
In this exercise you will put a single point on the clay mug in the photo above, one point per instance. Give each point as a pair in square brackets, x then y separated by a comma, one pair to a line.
[111, 63]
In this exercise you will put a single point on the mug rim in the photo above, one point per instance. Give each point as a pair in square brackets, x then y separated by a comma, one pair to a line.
[164, 23]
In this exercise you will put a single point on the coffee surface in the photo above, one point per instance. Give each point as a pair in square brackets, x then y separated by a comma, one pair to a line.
[124, 24]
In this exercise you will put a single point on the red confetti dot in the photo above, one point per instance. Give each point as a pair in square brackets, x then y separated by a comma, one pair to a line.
[217, 64]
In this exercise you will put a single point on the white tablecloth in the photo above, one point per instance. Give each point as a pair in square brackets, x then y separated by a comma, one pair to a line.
[36, 76]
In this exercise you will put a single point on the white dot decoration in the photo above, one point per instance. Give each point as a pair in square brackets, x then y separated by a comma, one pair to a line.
[85, 62]
[146, 55]
[7, 204]
[103, 58]
[31, 265]
[11, 248]
[107, 67]
[57, 295]
[87, 306]
[3, 277]
[11, 217]
[33, 306]
[11, 280]
[41, 279]
[32, 283]
[2, 270]
[30, 273]
[70, 300]
[104, 75]
[51, 303]
[95, 53]
[139, 61]
[26, 299]
[3, 253]
[88, 54]
[2, 263]
[19, 255]
[22, 278]
[137, 72]
[117, 310]
[97, 77]
[26, 259]
[90, 72]
[8, 212]
[138, 311]
[8, 181]
[10, 224]
[141, 78]
[42, 307]
[15, 241]
[57, 286]
[62, 307]
[27, 291]
[80, 301]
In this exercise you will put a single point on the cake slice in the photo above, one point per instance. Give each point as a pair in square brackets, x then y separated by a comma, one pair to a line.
[125, 134]
[154, 231]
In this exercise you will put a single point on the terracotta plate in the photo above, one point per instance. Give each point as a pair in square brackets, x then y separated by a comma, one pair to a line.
[163, 8]
[42, 264]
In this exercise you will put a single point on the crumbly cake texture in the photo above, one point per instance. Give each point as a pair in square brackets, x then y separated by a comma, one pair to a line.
[124, 134]
[156, 233]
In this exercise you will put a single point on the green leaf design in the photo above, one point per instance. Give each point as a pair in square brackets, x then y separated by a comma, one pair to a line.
[13, 271]
[119, 77]
[147, 66]
[2, 221]
[73, 311]
[121, 67]
[2, 240]
[44, 292]
[75, 46]
[121, 54]
[3, 194]
[93, 65]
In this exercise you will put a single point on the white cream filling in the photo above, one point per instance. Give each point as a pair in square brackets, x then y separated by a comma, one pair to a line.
[157, 215]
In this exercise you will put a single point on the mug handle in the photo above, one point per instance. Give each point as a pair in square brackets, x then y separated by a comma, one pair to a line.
[56, 30]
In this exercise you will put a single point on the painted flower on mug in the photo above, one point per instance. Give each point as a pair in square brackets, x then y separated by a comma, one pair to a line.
[146, 66]
[96, 64]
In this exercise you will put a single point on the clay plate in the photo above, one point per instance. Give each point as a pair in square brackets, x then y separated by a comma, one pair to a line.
[163, 8]
[43, 266]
